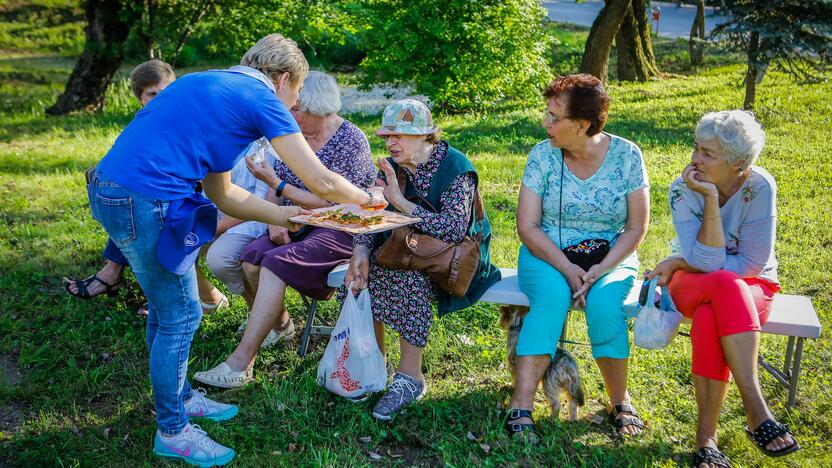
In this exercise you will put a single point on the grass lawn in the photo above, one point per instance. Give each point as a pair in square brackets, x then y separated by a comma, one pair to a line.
[76, 391]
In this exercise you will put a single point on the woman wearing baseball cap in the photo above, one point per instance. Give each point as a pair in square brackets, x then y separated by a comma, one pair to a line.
[403, 300]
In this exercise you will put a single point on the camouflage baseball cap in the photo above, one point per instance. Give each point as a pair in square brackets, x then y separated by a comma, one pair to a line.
[406, 117]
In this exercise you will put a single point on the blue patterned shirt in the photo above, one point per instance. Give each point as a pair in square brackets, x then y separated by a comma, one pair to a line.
[595, 208]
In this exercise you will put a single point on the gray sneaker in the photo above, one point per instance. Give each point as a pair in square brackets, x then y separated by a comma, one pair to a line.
[403, 391]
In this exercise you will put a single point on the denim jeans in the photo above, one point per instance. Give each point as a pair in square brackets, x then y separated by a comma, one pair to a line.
[133, 223]
[113, 254]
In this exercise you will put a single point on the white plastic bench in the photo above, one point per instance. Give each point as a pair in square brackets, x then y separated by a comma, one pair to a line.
[791, 316]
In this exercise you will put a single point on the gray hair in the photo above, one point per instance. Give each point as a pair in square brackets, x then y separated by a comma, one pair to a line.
[738, 132]
[320, 94]
[275, 55]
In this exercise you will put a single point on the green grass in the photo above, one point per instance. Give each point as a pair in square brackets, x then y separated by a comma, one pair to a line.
[84, 396]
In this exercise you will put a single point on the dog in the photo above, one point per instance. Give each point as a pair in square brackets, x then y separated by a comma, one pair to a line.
[562, 375]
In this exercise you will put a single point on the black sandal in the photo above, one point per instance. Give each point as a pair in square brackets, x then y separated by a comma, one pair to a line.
[109, 289]
[516, 428]
[767, 432]
[711, 456]
[631, 419]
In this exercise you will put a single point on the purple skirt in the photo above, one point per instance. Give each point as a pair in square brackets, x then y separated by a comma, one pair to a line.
[305, 264]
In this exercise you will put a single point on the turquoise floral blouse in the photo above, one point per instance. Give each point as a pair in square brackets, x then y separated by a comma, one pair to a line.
[595, 208]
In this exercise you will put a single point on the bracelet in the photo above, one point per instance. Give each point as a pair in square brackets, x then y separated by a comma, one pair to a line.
[280, 187]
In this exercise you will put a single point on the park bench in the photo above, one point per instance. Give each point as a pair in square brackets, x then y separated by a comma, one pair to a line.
[790, 316]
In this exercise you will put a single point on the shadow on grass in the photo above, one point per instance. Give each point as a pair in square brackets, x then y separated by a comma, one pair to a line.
[40, 124]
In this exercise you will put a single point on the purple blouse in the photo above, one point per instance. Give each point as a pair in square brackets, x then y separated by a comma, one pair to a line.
[347, 153]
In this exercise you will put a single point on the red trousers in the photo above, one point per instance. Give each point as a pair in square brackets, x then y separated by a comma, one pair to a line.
[720, 304]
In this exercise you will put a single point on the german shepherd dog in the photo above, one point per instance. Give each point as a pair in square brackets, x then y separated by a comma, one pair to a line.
[562, 375]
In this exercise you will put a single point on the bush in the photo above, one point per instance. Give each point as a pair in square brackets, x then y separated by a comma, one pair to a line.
[463, 54]
[324, 29]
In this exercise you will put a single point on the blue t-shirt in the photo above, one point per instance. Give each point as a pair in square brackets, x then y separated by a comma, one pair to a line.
[201, 123]
[595, 208]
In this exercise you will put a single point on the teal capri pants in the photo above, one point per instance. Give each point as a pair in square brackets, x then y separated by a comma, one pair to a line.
[550, 298]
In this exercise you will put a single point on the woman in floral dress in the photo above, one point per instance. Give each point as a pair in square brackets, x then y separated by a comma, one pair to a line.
[723, 274]
[403, 300]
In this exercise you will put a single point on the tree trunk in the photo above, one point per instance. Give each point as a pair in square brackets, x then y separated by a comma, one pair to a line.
[186, 33]
[696, 45]
[147, 31]
[599, 43]
[108, 24]
[634, 46]
[751, 73]
[150, 42]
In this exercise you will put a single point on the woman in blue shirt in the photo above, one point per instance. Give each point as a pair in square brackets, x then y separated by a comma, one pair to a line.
[583, 191]
[194, 132]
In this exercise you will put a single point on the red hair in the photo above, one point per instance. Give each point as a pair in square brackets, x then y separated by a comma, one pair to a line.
[586, 99]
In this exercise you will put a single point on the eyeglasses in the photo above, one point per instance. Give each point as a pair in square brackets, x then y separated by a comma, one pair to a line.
[551, 119]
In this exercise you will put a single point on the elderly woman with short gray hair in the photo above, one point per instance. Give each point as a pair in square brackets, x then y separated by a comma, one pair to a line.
[723, 274]
[300, 260]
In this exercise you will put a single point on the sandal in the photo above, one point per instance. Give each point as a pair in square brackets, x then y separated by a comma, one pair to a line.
[526, 430]
[711, 456]
[630, 419]
[767, 432]
[143, 310]
[82, 284]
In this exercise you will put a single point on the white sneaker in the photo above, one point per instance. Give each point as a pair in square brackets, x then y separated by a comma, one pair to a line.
[223, 376]
[200, 406]
[193, 446]
[273, 337]
[208, 307]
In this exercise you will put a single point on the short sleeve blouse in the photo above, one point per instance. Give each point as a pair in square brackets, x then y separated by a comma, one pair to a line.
[595, 208]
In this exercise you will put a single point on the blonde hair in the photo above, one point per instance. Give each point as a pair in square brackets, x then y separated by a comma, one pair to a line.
[275, 55]
[738, 132]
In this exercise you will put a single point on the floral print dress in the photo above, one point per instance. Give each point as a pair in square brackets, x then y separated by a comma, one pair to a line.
[403, 300]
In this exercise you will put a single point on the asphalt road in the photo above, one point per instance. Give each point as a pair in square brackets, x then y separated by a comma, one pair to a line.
[674, 21]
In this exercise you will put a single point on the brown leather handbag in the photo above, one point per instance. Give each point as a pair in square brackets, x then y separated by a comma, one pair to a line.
[452, 266]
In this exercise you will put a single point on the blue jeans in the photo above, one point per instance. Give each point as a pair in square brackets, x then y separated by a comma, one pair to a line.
[133, 223]
[113, 254]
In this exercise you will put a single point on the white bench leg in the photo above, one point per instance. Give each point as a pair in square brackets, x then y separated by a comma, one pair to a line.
[795, 373]
[311, 308]
[789, 352]
[790, 374]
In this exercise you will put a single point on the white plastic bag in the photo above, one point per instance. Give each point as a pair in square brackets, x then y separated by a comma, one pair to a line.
[352, 364]
[655, 327]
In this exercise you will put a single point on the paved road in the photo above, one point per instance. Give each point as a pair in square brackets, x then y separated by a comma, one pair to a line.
[674, 22]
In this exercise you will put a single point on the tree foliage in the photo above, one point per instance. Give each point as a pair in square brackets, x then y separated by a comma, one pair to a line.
[325, 29]
[795, 35]
[463, 54]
